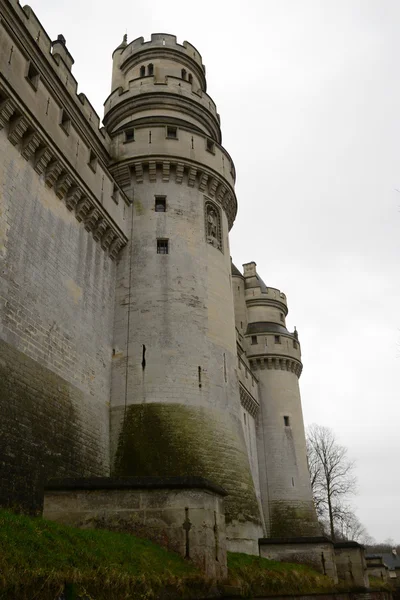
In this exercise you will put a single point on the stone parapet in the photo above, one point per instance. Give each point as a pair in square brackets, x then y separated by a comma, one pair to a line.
[318, 552]
[153, 140]
[185, 515]
[351, 564]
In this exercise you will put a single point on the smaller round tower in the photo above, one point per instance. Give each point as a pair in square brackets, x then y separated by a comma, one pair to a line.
[275, 355]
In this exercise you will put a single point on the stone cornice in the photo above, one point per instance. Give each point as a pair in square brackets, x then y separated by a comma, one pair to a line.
[265, 301]
[35, 147]
[153, 168]
[283, 363]
[156, 100]
[248, 401]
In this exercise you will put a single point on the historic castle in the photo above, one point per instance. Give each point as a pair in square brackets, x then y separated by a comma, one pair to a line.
[130, 347]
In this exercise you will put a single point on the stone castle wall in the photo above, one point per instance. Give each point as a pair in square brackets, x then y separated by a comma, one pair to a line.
[60, 230]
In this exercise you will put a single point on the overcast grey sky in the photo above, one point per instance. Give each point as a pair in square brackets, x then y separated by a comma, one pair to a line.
[309, 95]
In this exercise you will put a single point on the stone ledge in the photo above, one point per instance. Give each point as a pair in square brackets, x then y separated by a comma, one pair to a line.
[134, 483]
[347, 545]
[296, 540]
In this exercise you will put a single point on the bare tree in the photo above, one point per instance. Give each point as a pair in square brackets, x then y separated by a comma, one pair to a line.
[331, 474]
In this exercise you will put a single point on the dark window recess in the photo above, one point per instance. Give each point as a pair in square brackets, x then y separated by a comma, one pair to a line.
[160, 204]
[115, 194]
[277, 339]
[210, 146]
[65, 121]
[282, 318]
[93, 161]
[183, 73]
[130, 135]
[287, 421]
[172, 133]
[162, 246]
[142, 71]
[254, 339]
[244, 417]
[295, 344]
[33, 76]
[190, 78]
[150, 69]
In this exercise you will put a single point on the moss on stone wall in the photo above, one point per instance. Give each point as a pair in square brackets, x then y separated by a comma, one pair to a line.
[293, 520]
[177, 440]
[41, 433]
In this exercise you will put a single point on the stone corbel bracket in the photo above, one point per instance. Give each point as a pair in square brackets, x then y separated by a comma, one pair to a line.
[181, 171]
[277, 362]
[58, 175]
[248, 401]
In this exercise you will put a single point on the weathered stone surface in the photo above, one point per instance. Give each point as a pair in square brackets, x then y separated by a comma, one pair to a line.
[351, 564]
[318, 552]
[48, 428]
[184, 515]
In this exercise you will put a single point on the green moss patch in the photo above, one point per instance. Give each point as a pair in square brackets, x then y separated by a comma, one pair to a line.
[176, 440]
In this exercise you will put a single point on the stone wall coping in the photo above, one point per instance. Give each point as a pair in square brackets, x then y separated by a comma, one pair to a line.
[133, 483]
[347, 545]
[294, 540]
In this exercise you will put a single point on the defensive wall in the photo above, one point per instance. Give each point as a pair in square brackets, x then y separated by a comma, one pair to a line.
[62, 223]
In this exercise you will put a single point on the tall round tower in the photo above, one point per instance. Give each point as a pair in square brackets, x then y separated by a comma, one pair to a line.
[175, 400]
[274, 354]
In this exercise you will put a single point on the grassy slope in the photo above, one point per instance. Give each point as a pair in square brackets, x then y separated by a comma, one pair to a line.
[37, 557]
[259, 576]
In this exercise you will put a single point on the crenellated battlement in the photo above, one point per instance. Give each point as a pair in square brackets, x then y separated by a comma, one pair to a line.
[164, 41]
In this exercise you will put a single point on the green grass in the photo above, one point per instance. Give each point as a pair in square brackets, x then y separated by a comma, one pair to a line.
[38, 557]
[261, 577]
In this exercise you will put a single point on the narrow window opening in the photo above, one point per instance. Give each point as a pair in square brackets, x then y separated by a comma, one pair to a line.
[295, 344]
[33, 76]
[292, 482]
[142, 71]
[130, 135]
[241, 324]
[277, 339]
[160, 204]
[190, 78]
[172, 133]
[286, 421]
[93, 161]
[210, 146]
[244, 417]
[254, 339]
[150, 69]
[162, 246]
[183, 73]
[65, 121]
[199, 374]
[143, 356]
[282, 317]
